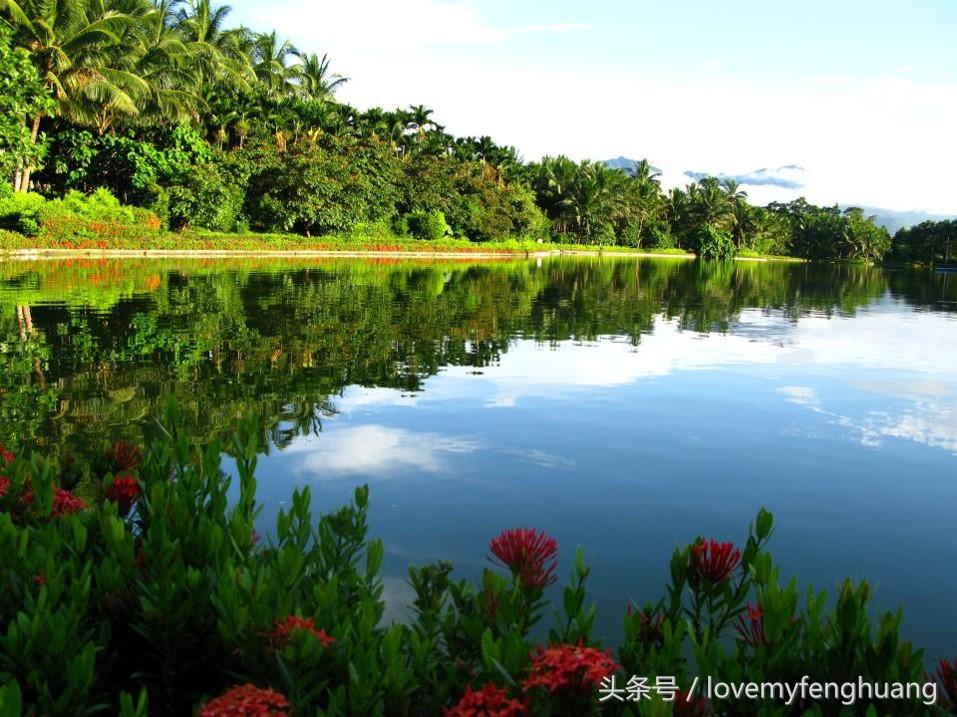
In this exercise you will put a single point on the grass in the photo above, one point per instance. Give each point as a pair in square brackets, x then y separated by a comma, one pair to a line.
[363, 239]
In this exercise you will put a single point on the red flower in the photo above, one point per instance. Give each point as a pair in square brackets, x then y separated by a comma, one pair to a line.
[123, 491]
[7, 456]
[5, 484]
[39, 580]
[947, 676]
[491, 701]
[530, 555]
[713, 562]
[282, 631]
[751, 629]
[246, 701]
[572, 667]
[64, 502]
[690, 706]
[125, 456]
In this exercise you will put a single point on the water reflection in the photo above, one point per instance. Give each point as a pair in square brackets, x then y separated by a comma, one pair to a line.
[621, 405]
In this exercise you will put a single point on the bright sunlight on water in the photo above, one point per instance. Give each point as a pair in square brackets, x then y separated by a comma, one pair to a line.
[622, 405]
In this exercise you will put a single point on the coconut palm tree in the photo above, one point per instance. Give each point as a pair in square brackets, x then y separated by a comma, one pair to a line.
[316, 82]
[72, 43]
[219, 52]
[271, 64]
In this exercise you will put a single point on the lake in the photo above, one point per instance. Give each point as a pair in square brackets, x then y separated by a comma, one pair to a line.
[623, 405]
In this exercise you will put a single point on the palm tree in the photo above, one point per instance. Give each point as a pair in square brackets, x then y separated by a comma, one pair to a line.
[271, 63]
[315, 80]
[420, 118]
[71, 43]
[219, 53]
[737, 199]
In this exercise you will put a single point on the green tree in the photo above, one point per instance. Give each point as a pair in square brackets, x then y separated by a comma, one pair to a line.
[23, 96]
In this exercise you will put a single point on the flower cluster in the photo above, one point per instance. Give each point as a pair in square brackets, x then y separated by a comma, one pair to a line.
[568, 667]
[64, 502]
[247, 701]
[7, 458]
[123, 491]
[713, 562]
[529, 554]
[490, 701]
[751, 628]
[282, 631]
[124, 456]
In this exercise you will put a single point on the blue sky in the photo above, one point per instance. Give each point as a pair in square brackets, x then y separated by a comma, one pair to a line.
[862, 96]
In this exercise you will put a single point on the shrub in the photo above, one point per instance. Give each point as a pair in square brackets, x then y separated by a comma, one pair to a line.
[20, 212]
[427, 225]
[205, 199]
[714, 243]
[152, 581]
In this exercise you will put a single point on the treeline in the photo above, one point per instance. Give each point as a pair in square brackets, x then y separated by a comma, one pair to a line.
[232, 130]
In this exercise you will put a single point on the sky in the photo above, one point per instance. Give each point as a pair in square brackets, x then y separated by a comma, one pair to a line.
[852, 102]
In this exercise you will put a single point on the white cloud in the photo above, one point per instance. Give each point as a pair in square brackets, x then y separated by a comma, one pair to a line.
[372, 449]
[883, 141]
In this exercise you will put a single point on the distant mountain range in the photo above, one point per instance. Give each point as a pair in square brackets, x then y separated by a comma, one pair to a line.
[791, 177]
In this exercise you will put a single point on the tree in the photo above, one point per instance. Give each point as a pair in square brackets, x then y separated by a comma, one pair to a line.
[316, 82]
[69, 43]
[23, 96]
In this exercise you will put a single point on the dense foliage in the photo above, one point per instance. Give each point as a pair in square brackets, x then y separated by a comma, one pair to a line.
[137, 586]
[929, 243]
[228, 129]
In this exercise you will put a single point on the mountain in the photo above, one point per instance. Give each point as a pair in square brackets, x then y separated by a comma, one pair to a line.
[892, 221]
[627, 164]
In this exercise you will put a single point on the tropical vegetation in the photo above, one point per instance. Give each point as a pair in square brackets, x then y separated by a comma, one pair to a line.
[136, 585]
[206, 126]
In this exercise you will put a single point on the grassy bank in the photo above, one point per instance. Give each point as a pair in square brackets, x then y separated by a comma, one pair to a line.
[162, 243]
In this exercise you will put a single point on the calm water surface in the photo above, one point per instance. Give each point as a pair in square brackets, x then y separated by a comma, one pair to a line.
[624, 406]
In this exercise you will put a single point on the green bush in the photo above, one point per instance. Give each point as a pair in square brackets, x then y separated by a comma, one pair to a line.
[20, 212]
[138, 574]
[714, 243]
[204, 199]
[427, 225]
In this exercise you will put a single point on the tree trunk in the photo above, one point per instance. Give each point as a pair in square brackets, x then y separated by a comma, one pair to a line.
[25, 177]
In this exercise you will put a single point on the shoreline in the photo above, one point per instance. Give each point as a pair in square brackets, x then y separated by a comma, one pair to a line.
[50, 253]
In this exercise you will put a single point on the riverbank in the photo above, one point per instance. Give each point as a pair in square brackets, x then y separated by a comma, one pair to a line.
[213, 245]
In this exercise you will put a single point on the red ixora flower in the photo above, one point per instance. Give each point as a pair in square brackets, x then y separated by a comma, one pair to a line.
[282, 631]
[247, 701]
[125, 456]
[751, 628]
[124, 490]
[568, 667]
[7, 455]
[490, 701]
[713, 562]
[947, 676]
[5, 484]
[529, 554]
[64, 502]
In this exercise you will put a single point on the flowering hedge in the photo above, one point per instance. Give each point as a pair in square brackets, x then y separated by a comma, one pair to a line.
[133, 586]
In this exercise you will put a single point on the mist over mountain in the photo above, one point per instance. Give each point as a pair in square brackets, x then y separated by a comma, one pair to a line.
[792, 177]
